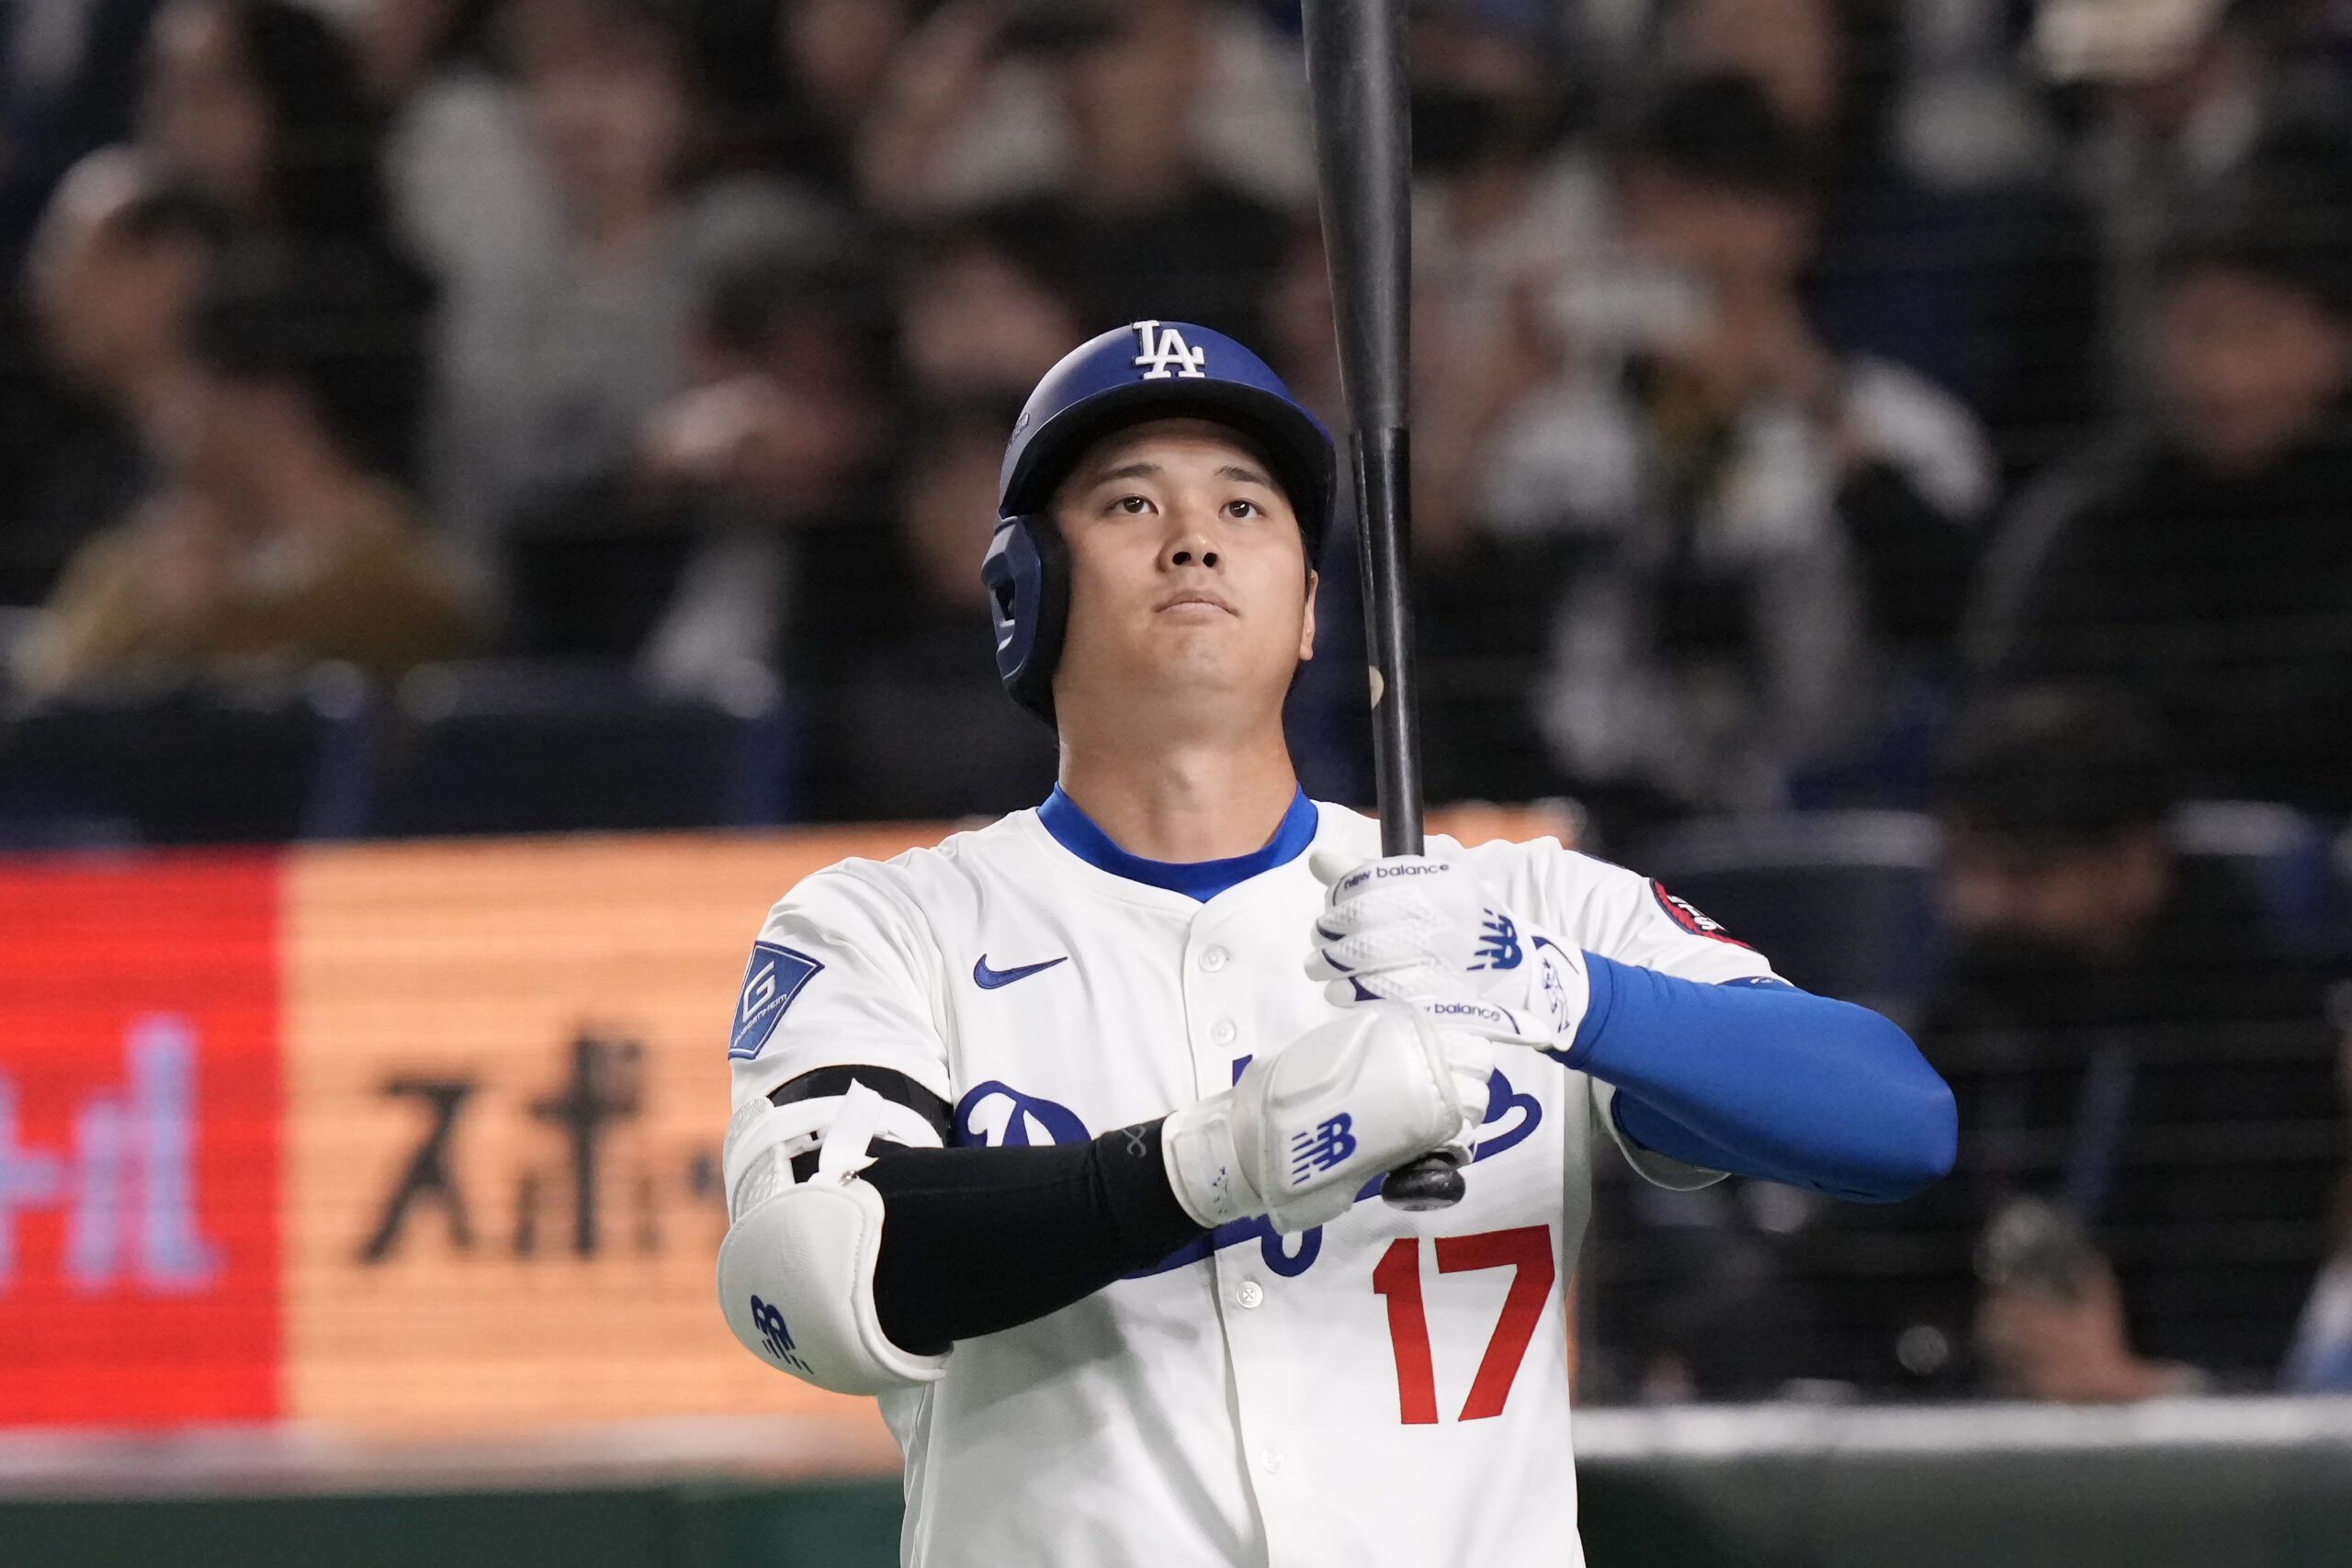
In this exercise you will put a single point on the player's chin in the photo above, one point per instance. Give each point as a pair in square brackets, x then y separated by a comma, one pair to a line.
[1220, 674]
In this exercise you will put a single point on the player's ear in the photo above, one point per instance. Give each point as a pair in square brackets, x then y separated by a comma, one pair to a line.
[1307, 619]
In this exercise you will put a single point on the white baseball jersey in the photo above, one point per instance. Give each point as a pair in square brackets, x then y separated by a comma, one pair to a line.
[1391, 1388]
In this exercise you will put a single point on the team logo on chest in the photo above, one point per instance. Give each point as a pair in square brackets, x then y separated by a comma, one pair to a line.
[1169, 357]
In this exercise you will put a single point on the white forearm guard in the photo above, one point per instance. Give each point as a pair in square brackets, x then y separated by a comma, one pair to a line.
[796, 1272]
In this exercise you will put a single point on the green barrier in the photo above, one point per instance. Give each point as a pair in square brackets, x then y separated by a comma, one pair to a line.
[2249, 1483]
[693, 1524]
[2214, 1484]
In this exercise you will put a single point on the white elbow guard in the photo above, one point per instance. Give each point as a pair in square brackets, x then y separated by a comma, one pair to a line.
[796, 1272]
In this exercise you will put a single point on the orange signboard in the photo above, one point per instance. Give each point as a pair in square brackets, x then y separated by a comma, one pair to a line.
[508, 1074]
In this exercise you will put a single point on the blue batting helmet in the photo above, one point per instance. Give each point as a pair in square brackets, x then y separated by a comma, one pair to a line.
[1147, 370]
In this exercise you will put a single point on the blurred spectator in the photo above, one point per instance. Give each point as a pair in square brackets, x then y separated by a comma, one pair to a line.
[469, 193]
[114, 269]
[916, 726]
[980, 109]
[277, 538]
[69, 79]
[1139, 222]
[1759, 516]
[2184, 96]
[69, 83]
[741, 531]
[977, 310]
[1967, 265]
[1140, 228]
[836, 55]
[259, 105]
[1509, 217]
[2209, 566]
[550, 368]
[2131, 1052]
[1698, 1295]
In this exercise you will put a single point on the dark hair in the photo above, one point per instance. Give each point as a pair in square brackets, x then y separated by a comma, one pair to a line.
[1721, 130]
[1010, 230]
[763, 283]
[2288, 218]
[2056, 766]
[323, 180]
[341, 323]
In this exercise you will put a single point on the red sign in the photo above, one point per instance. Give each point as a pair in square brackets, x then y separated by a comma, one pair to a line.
[139, 1117]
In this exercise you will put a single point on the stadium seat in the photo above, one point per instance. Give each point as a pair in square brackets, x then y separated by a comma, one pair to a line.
[1842, 901]
[195, 764]
[534, 747]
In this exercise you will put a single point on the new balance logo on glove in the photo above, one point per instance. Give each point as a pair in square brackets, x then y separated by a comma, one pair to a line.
[774, 1335]
[1498, 942]
[1331, 1144]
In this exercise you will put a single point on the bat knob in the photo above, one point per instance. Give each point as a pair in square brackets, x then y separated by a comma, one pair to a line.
[1431, 1181]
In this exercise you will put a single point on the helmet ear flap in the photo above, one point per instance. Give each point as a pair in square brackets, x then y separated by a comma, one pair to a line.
[1026, 571]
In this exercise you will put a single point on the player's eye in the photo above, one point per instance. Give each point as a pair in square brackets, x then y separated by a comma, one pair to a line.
[1244, 509]
[1131, 505]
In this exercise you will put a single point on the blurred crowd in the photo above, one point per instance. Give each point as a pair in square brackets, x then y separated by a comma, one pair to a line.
[1936, 406]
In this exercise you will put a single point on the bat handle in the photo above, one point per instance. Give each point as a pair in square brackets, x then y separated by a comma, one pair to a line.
[1429, 1181]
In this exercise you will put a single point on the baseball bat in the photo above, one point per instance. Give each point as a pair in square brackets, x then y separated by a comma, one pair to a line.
[1355, 73]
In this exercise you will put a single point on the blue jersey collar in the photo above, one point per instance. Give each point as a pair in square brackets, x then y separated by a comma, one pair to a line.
[1076, 832]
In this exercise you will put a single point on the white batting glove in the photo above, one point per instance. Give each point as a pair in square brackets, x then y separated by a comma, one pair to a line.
[1307, 1126]
[1423, 931]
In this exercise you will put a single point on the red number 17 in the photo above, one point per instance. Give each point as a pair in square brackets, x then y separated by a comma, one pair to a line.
[1527, 1250]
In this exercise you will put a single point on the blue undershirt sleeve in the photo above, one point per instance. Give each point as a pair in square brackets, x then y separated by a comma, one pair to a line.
[1760, 1079]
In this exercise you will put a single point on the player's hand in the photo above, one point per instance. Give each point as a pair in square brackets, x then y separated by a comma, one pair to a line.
[1419, 929]
[1304, 1127]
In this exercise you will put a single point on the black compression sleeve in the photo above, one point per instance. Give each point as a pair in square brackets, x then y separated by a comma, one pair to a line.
[983, 1239]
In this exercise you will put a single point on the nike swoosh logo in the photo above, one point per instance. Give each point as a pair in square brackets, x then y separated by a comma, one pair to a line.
[988, 979]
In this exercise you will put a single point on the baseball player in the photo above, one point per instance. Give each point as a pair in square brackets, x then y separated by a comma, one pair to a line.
[1066, 1138]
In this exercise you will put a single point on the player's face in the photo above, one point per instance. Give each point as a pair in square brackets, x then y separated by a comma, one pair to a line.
[1188, 578]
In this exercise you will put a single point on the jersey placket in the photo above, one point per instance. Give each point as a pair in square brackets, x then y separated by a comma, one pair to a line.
[1225, 955]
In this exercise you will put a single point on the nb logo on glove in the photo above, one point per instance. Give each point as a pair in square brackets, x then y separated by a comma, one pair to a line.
[774, 1334]
[1331, 1144]
[1498, 942]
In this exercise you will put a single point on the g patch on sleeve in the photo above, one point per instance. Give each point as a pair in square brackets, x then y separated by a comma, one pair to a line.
[771, 981]
[1687, 915]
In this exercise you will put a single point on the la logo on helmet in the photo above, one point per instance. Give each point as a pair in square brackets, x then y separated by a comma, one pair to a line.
[1169, 357]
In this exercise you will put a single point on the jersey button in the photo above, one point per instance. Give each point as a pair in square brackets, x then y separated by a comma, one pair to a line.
[1213, 959]
[1249, 1293]
[1272, 1459]
[1222, 1031]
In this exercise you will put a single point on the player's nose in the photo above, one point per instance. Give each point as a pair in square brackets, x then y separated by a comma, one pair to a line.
[1189, 543]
